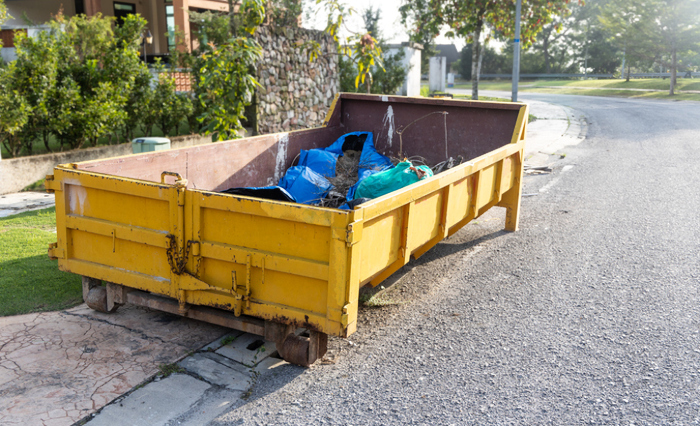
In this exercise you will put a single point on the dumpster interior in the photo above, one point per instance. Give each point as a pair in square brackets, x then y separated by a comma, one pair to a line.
[433, 134]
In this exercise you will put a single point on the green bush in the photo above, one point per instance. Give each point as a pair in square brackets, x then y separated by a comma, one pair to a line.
[81, 81]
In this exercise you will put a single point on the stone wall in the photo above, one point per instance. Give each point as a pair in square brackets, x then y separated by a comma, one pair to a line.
[296, 93]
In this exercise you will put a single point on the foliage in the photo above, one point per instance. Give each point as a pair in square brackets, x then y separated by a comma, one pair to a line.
[655, 31]
[362, 50]
[223, 69]
[468, 19]
[227, 86]
[387, 79]
[14, 112]
[284, 13]
[493, 62]
[4, 16]
[82, 80]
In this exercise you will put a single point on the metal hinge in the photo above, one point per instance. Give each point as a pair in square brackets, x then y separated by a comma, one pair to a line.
[51, 185]
[56, 253]
[353, 234]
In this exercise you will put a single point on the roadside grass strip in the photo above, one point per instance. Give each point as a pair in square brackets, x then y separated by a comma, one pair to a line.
[653, 88]
[29, 280]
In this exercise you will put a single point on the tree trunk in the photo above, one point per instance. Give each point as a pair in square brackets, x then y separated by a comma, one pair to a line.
[45, 137]
[546, 55]
[674, 70]
[231, 20]
[629, 70]
[476, 52]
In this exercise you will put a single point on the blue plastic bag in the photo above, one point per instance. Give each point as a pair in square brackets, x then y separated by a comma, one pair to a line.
[305, 185]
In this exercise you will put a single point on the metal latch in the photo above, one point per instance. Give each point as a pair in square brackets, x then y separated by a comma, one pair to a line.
[51, 185]
[56, 253]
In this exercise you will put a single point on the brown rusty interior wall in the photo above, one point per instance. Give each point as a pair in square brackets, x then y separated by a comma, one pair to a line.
[256, 161]
[473, 129]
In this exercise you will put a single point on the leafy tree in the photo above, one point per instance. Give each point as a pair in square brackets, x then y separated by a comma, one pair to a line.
[4, 16]
[14, 112]
[628, 24]
[166, 107]
[361, 49]
[386, 80]
[283, 13]
[493, 62]
[223, 69]
[655, 30]
[469, 19]
[35, 72]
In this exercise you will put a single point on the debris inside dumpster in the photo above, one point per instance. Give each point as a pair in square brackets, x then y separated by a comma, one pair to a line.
[332, 176]
[404, 174]
[269, 193]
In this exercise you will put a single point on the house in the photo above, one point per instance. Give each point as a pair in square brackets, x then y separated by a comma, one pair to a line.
[164, 17]
[411, 61]
[450, 52]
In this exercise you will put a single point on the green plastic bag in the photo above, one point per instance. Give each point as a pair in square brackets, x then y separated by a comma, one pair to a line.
[381, 183]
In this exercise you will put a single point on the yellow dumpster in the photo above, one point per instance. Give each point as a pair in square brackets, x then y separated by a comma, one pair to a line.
[153, 229]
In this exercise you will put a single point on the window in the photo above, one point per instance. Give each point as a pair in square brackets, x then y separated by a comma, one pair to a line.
[122, 10]
[80, 7]
[170, 24]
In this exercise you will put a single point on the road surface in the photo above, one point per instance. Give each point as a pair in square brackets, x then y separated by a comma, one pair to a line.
[590, 314]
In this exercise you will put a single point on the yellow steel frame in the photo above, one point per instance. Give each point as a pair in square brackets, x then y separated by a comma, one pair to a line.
[278, 261]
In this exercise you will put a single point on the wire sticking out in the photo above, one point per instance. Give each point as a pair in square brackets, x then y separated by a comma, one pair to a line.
[404, 128]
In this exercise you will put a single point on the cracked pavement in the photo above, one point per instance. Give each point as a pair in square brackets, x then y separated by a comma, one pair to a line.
[58, 367]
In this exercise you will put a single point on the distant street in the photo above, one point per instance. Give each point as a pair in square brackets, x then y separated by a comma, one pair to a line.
[590, 314]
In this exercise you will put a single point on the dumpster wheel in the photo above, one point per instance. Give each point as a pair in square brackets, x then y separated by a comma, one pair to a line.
[95, 296]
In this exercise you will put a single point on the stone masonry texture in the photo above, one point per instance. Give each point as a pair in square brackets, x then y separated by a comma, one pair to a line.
[296, 92]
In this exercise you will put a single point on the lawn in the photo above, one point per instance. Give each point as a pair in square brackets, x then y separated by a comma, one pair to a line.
[598, 87]
[29, 280]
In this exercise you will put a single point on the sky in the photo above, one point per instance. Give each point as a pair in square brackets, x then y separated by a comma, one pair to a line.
[390, 22]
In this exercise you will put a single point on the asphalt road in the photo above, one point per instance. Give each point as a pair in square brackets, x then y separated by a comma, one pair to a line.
[590, 314]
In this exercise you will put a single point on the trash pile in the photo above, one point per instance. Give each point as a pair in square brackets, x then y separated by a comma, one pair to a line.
[347, 173]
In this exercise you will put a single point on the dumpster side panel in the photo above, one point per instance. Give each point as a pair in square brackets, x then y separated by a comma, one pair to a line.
[412, 220]
[103, 232]
[270, 260]
[381, 241]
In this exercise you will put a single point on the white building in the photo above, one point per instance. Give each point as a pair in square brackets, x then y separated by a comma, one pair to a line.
[411, 86]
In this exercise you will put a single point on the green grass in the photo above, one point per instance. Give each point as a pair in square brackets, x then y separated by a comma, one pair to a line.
[36, 186]
[29, 280]
[599, 88]
[168, 369]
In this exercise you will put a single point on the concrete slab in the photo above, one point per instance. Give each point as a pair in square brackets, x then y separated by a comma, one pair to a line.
[248, 349]
[24, 201]
[215, 369]
[59, 367]
[269, 365]
[216, 344]
[157, 403]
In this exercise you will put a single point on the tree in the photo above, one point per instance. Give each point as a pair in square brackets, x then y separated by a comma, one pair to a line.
[654, 30]
[387, 79]
[14, 112]
[223, 68]
[4, 16]
[362, 49]
[470, 19]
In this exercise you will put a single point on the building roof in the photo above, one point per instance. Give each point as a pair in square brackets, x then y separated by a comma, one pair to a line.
[447, 50]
